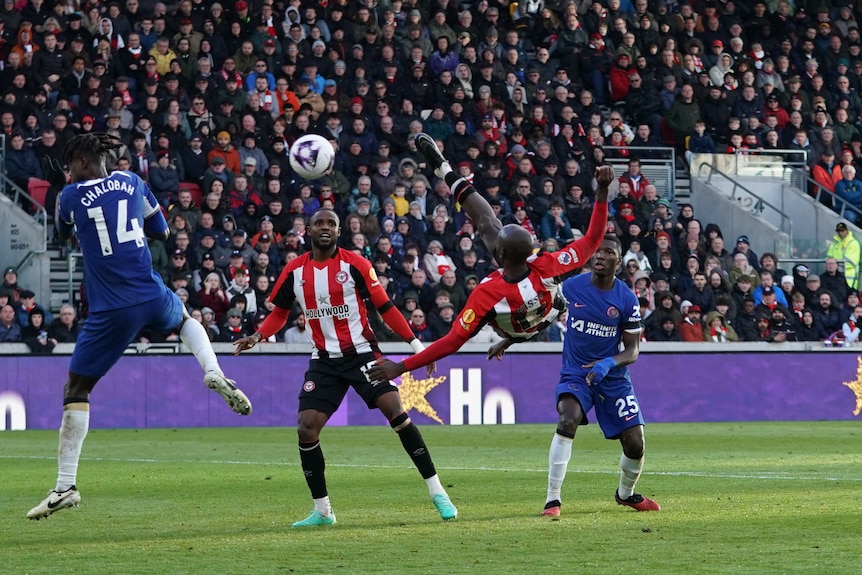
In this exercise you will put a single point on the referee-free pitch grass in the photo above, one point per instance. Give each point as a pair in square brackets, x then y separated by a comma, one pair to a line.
[736, 499]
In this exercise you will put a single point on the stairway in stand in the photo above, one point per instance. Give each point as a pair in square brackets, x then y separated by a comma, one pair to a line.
[682, 189]
[59, 279]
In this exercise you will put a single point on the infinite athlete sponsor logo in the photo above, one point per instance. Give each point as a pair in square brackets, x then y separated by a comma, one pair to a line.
[599, 330]
[339, 311]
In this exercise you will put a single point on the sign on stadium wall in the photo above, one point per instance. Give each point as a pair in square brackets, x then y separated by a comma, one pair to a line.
[467, 390]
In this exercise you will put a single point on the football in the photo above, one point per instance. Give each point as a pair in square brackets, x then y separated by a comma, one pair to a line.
[311, 156]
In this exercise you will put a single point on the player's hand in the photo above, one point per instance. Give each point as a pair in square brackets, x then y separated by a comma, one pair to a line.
[599, 369]
[431, 369]
[604, 176]
[385, 370]
[498, 350]
[245, 343]
[54, 173]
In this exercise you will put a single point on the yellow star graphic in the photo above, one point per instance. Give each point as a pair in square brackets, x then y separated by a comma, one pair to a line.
[413, 392]
[856, 386]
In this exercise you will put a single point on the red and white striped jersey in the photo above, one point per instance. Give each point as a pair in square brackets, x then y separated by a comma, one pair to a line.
[520, 310]
[332, 295]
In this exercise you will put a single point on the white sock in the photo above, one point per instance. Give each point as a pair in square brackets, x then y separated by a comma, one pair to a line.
[194, 335]
[630, 472]
[558, 463]
[323, 506]
[445, 168]
[73, 430]
[434, 485]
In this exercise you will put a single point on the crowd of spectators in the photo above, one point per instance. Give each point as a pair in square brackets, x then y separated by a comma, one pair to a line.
[526, 98]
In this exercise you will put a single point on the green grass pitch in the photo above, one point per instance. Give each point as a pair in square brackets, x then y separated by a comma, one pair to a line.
[754, 498]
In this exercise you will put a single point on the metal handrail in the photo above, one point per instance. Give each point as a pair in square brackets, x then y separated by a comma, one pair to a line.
[761, 203]
[70, 270]
[821, 191]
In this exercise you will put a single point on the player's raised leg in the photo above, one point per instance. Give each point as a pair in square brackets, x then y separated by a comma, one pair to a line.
[631, 465]
[473, 204]
[194, 336]
[414, 445]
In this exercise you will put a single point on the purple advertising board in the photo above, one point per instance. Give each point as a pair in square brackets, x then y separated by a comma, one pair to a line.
[168, 391]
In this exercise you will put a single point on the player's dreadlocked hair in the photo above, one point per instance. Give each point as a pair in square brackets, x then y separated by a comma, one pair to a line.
[93, 146]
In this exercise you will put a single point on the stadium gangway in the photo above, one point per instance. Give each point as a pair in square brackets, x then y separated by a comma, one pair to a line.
[759, 206]
[658, 165]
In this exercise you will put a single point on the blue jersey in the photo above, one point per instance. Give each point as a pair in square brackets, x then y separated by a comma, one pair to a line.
[596, 322]
[108, 216]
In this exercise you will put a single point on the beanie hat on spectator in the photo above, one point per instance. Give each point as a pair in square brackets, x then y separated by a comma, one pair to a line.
[768, 290]
[664, 235]
[241, 5]
[693, 307]
[207, 310]
[683, 307]
[410, 294]
[357, 100]
[787, 278]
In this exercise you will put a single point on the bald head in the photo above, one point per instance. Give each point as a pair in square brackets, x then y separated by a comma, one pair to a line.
[515, 244]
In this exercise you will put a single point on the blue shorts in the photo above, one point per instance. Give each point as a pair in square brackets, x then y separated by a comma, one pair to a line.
[615, 401]
[105, 335]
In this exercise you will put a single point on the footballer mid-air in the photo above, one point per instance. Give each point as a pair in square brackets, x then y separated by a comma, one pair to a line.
[521, 298]
[112, 215]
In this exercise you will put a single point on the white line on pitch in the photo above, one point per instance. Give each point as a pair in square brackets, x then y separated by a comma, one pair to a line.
[759, 476]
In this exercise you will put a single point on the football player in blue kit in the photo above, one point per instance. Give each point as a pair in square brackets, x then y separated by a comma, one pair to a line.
[603, 313]
[112, 214]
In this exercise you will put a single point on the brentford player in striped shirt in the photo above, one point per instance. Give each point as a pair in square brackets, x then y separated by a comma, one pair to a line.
[332, 286]
[522, 297]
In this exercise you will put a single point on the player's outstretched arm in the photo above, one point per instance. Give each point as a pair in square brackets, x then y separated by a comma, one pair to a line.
[586, 246]
[271, 325]
[445, 346]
